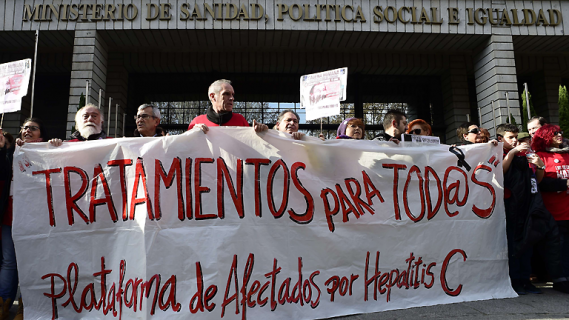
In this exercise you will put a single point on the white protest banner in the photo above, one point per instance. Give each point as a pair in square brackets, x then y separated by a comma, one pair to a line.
[321, 93]
[14, 80]
[233, 225]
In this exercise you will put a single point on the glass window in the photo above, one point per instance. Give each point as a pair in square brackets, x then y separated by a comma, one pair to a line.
[176, 115]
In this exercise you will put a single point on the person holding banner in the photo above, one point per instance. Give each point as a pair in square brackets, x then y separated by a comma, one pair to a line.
[147, 120]
[32, 131]
[89, 123]
[351, 128]
[220, 113]
[420, 127]
[8, 270]
[287, 121]
[469, 133]
[394, 124]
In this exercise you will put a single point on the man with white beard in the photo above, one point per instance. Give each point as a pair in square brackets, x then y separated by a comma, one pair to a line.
[89, 124]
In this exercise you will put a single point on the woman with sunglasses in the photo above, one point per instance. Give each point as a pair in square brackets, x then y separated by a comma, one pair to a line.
[351, 128]
[419, 127]
[554, 187]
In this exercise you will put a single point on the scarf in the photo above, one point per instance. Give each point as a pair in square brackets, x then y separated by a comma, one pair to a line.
[558, 150]
[218, 118]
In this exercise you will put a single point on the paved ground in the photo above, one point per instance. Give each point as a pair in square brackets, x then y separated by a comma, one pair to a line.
[549, 305]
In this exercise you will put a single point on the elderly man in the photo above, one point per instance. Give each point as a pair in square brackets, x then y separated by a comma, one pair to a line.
[147, 120]
[89, 124]
[220, 113]
[394, 124]
[287, 121]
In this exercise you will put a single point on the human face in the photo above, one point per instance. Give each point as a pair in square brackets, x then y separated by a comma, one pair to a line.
[557, 139]
[30, 131]
[418, 130]
[473, 134]
[400, 127]
[90, 122]
[223, 101]
[289, 123]
[146, 122]
[533, 126]
[354, 131]
[510, 140]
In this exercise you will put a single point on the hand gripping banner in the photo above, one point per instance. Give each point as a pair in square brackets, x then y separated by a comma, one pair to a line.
[238, 225]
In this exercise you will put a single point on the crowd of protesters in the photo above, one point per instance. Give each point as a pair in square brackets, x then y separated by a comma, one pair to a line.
[535, 164]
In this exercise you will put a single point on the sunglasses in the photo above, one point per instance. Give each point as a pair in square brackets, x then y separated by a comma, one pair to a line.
[558, 132]
[31, 128]
[416, 131]
[475, 131]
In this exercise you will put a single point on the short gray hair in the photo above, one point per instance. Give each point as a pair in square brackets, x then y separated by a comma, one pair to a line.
[155, 109]
[88, 105]
[215, 87]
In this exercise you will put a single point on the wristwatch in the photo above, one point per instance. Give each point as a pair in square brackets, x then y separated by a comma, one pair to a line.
[542, 167]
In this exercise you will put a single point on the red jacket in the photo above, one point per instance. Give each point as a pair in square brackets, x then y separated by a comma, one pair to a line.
[236, 121]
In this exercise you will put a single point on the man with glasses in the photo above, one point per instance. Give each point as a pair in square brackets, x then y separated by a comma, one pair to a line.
[147, 120]
[89, 124]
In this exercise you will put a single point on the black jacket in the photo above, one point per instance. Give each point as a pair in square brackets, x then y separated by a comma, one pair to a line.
[527, 220]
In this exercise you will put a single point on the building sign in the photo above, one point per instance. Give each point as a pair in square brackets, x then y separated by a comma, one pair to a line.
[246, 225]
[294, 12]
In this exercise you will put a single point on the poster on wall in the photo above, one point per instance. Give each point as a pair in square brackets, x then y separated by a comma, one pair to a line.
[238, 225]
[14, 80]
[321, 93]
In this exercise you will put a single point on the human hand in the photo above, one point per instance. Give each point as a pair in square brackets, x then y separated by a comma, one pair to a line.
[535, 159]
[297, 135]
[520, 148]
[56, 142]
[259, 127]
[321, 136]
[202, 126]
[2, 139]
[19, 142]
[394, 140]
[494, 142]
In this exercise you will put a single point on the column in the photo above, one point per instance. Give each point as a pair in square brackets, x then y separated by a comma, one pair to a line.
[495, 74]
[89, 64]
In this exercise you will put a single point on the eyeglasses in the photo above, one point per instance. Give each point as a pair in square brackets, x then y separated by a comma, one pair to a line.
[31, 128]
[475, 131]
[558, 132]
[143, 116]
[416, 131]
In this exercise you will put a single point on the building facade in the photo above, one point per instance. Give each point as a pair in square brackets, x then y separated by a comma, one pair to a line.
[447, 60]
